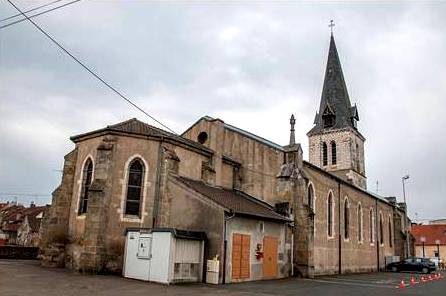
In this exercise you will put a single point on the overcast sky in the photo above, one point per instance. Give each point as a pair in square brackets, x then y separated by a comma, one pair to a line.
[251, 64]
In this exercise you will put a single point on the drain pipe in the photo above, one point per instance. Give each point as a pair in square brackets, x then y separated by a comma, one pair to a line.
[376, 234]
[225, 245]
[292, 252]
[339, 228]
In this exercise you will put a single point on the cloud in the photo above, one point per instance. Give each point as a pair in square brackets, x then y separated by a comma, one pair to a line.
[251, 64]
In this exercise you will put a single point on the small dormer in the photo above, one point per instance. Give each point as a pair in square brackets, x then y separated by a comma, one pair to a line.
[328, 117]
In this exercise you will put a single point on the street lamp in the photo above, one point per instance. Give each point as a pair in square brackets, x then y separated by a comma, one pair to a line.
[437, 242]
[403, 179]
[423, 240]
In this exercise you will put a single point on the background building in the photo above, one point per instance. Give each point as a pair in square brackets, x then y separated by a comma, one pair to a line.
[430, 240]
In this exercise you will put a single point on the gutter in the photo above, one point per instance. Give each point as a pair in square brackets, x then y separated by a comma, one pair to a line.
[225, 245]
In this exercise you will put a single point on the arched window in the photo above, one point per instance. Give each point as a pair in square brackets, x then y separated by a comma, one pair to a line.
[381, 229]
[390, 233]
[87, 178]
[333, 153]
[330, 215]
[311, 197]
[134, 188]
[346, 219]
[372, 226]
[359, 223]
[324, 154]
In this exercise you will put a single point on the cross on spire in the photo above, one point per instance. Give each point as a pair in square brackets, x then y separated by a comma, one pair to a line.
[331, 25]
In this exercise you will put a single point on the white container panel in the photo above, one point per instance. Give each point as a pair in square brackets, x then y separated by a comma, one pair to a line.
[135, 267]
[161, 245]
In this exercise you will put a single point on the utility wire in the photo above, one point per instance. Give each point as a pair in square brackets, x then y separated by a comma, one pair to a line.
[37, 14]
[23, 194]
[32, 9]
[88, 69]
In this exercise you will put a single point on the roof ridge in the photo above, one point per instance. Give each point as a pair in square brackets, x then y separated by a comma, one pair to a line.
[254, 136]
[255, 199]
[122, 122]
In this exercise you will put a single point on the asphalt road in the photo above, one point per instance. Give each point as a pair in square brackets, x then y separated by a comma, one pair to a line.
[28, 278]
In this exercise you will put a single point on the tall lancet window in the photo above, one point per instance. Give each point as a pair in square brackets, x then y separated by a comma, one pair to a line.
[381, 230]
[334, 158]
[372, 226]
[346, 219]
[359, 223]
[134, 188]
[311, 197]
[324, 154]
[390, 234]
[87, 178]
[330, 215]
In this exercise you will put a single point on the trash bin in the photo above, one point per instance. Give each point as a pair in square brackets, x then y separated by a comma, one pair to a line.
[213, 267]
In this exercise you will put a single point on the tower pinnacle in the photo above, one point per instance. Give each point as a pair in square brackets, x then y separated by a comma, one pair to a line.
[292, 136]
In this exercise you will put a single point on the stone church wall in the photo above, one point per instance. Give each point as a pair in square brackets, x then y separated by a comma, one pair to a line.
[124, 150]
[260, 162]
[356, 255]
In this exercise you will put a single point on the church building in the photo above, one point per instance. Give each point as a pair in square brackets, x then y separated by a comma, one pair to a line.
[265, 211]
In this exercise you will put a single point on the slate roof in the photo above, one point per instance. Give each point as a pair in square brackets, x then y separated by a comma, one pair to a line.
[335, 96]
[346, 183]
[430, 232]
[136, 127]
[234, 200]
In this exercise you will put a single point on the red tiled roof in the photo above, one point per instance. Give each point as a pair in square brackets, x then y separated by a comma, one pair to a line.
[136, 127]
[14, 216]
[430, 232]
[10, 213]
[13, 227]
[234, 200]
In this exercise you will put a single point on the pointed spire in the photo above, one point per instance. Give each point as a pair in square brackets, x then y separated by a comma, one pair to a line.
[335, 100]
[292, 136]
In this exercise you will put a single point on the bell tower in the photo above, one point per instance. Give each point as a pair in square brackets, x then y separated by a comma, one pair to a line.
[335, 143]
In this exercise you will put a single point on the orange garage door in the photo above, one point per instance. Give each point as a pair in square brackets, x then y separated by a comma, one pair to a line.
[240, 256]
[270, 254]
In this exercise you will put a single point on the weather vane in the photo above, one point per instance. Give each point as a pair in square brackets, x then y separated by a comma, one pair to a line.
[331, 25]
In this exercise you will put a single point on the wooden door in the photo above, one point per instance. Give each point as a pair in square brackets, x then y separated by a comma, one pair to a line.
[241, 266]
[270, 245]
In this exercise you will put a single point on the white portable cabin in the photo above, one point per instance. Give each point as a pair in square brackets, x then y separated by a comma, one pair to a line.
[164, 255]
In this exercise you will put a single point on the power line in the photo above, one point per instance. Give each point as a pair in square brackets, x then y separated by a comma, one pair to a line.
[37, 14]
[23, 194]
[88, 69]
[32, 9]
